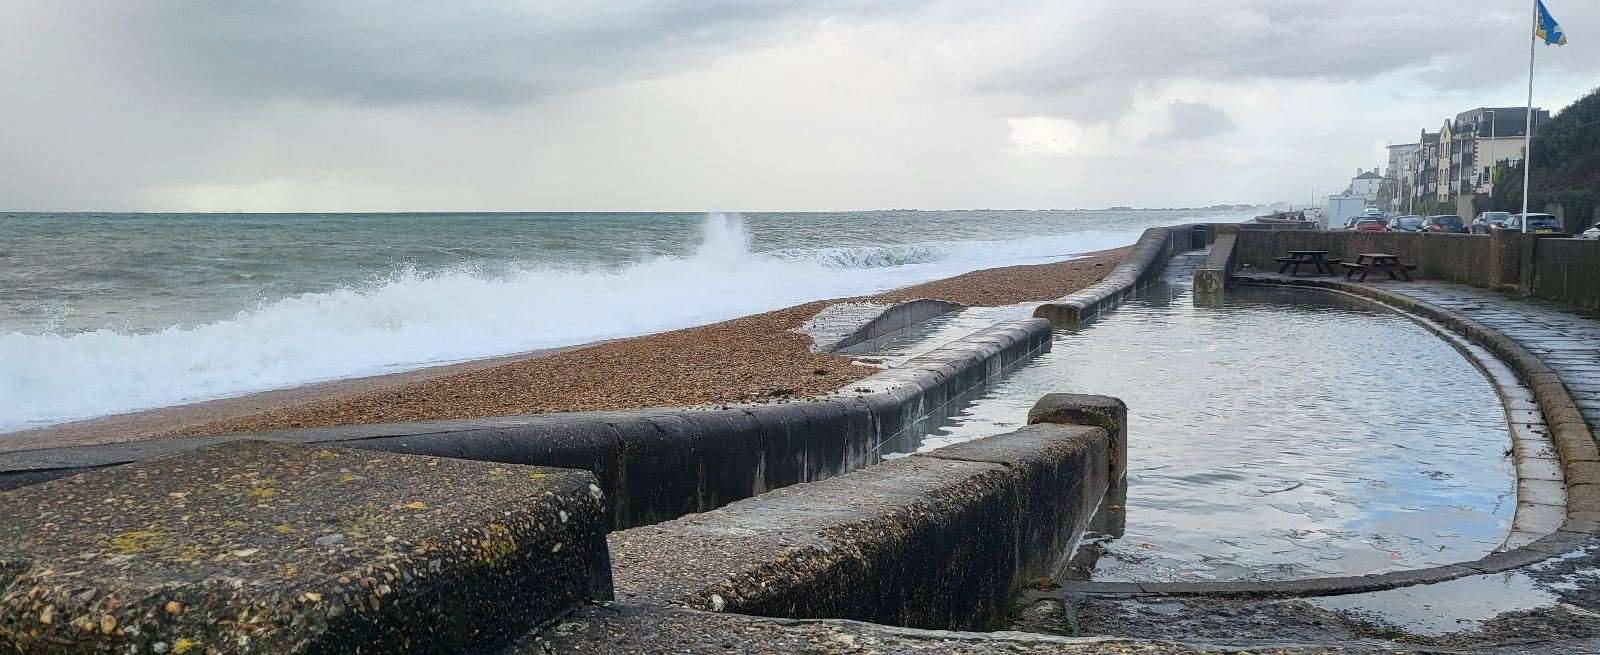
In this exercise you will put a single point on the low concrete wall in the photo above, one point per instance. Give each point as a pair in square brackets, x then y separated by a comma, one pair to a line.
[256, 547]
[1464, 258]
[1211, 278]
[1139, 269]
[1568, 270]
[655, 464]
[1275, 225]
[853, 333]
[942, 539]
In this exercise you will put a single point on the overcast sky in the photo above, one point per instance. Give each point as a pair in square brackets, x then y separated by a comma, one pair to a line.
[322, 105]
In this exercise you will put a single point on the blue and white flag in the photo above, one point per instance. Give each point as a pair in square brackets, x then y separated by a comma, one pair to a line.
[1548, 29]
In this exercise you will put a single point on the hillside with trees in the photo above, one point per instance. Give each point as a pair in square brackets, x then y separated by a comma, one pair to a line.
[1566, 166]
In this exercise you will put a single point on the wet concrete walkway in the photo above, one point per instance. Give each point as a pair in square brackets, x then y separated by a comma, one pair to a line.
[1565, 339]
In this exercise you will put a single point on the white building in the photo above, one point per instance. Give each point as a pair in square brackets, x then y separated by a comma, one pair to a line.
[1365, 184]
[1402, 173]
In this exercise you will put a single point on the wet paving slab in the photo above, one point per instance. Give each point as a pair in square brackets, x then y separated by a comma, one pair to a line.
[1546, 607]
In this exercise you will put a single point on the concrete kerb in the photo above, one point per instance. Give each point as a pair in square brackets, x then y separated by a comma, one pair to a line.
[1574, 442]
[1105, 412]
[654, 464]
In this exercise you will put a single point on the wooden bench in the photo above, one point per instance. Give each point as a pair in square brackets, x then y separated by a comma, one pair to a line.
[1292, 262]
[1369, 262]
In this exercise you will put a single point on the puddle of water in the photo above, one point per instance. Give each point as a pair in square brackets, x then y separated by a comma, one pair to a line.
[940, 330]
[1280, 434]
[1460, 604]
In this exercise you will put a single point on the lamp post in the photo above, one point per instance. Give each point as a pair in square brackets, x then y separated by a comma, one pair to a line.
[1491, 157]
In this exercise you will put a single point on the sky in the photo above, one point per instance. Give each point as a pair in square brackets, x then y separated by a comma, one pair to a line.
[692, 105]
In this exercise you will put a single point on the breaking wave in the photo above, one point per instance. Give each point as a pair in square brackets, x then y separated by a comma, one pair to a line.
[412, 319]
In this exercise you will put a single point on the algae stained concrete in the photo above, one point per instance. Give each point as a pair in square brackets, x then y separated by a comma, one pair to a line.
[937, 540]
[258, 547]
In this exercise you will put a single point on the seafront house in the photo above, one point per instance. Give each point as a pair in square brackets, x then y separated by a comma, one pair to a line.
[1460, 158]
[1365, 184]
[1474, 141]
[1425, 167]
[1399, 178]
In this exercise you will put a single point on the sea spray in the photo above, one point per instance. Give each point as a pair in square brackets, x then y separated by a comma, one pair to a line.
[412, 318]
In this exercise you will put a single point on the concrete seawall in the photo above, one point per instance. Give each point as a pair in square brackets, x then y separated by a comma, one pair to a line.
[262, 547]
[1140, 268]
[1543, 266]
[1211, 278]
[1462, 258]
[942, 539]
[853, 327]
[654, 464]
[1568, 270]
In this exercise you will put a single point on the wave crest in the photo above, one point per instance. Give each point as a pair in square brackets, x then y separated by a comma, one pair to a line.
[412, 319]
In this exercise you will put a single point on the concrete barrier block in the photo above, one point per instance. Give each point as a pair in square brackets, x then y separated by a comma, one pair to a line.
[1209, 281]
[916, 541]
[258, 547]
[1061, 472]
[1088, 409]
[940, 540]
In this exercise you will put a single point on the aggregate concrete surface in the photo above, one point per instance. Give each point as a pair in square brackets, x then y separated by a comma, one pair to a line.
[258, 547]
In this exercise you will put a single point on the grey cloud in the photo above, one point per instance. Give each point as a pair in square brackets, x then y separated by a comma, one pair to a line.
[1195, 120]
[1059, 49]
[475, 52]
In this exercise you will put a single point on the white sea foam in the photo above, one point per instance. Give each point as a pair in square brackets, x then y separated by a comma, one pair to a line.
[413, 319]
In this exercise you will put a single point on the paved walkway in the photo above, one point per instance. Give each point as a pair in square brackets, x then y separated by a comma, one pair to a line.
[1180, 269]
[1567, 341]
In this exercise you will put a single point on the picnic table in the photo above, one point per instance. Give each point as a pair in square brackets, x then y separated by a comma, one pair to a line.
[1297, 258]
[1368, 262]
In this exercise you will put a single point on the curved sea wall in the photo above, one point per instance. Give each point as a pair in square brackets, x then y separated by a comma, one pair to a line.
[1140, 268]
[855, 327]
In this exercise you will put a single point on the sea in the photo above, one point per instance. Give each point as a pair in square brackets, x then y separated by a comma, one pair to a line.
[105, 313]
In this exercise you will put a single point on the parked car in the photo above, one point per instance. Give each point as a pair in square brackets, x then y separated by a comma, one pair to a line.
[1591, 233]
[1488, 221]
[1404, 224]
[1371, 225]
[1449, 223]
[1537, 223]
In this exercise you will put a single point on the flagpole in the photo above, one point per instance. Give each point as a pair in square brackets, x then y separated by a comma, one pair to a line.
[1527, 132]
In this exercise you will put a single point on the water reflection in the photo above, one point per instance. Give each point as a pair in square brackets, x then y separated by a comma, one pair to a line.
[1274, 434]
